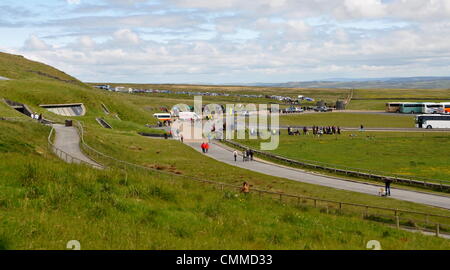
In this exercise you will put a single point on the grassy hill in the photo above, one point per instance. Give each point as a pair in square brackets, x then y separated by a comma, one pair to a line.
[19, 68]
[45, 202]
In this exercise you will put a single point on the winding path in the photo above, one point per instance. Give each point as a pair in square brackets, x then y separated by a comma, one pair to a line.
[67, 139]
[224, 154]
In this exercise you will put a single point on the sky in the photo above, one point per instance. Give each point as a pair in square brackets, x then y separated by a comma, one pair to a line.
[230, 41]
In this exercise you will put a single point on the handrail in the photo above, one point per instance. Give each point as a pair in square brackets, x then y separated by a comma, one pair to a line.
[396, 212]
[437, 184]
[64, 155]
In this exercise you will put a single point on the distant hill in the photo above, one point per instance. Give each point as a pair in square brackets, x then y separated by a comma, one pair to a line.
[377, 83]
[19, 68]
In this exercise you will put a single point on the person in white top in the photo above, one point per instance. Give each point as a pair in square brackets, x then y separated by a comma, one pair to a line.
[32, 115]
[235, 154]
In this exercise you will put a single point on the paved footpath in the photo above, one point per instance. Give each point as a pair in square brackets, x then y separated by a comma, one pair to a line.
[67, 139]
[224, 154]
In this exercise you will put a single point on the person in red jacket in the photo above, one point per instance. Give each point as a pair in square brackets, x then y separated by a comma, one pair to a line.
[206, 147]
[203, 146]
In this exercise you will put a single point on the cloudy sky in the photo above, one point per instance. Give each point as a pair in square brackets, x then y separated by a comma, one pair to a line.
[230, 41]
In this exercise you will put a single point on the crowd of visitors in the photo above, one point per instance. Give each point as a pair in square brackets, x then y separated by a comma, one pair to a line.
[316, 131]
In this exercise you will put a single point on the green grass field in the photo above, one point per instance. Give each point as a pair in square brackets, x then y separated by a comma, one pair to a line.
[406, 154]
[46, 203]
[348, 120]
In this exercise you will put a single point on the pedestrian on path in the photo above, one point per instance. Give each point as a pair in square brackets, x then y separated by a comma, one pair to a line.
[182, 139]
[206, 147]
[203, 148]
[387, 187]
[235, 154]
[250, 153]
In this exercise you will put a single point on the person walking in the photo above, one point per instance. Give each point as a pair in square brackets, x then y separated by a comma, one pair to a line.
[206, 147]
[250, 151]
[387, 187]
[182, 138]
[203, 148]
[235, 154]
[244, 155]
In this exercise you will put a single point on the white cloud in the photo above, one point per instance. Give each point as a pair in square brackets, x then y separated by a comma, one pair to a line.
[229, 41]
[73, 2]
[34, 43]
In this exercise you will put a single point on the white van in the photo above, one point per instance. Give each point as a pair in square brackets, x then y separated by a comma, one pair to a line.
[188, 116]
[163, 116]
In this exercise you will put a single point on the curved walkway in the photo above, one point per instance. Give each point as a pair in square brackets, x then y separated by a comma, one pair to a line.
[224, 154]
[67, 139]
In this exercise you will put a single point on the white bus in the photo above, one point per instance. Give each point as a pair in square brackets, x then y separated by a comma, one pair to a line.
[433, 121]
[429, 108]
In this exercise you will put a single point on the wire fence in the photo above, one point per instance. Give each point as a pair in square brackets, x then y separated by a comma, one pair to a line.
[440, 185]
[396, 217]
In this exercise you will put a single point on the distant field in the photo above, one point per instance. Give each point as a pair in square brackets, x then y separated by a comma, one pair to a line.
[408, 154]
[328, 95]
[348, 120]
[402, 93]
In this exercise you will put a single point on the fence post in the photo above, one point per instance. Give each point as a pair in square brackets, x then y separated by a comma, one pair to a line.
[397, 221]
[437, 229]
[281, 198]
[315, 203]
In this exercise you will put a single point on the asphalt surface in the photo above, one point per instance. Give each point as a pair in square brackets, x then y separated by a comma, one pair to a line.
[68, 140]
[224, 154]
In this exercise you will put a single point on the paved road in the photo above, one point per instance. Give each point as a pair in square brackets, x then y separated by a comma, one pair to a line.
[224, 154]
[68, 140]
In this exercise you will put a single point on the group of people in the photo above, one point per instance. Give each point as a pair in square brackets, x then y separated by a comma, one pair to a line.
[205, 147]
[247, 155]
[330, 130]
[316, 131]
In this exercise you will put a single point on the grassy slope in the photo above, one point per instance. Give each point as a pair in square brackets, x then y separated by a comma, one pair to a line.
[348, 120]
[45, 203]
[20, 68]
[175, 157]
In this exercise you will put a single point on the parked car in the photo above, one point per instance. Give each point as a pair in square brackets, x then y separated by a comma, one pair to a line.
[323, 109]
